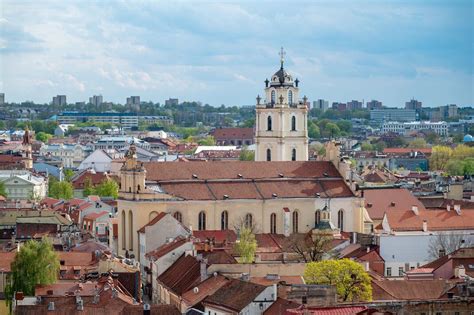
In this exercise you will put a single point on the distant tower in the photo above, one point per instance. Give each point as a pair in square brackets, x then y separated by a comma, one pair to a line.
[27, 151]
[281, 122]
[132, 177]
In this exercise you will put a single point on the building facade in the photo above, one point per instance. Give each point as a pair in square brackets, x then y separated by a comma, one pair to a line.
[321, 104]
[124, 120]
[393, 114]
[440, 127]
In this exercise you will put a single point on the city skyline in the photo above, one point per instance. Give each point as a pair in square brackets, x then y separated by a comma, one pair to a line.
[389, 51]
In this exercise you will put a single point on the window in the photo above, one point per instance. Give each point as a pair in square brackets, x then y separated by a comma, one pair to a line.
[269, 123]
[130, 230]
[273, 97]
[290, 97]
[400, 271]
[389, 271]
[178, 216]
[248, 221]
[202, 221]
[340, 220]
[269, 155]
[293, 155]
[273, 218]
[123, 230]
[317, 217]
[295, 221]
[224, 220]
[293, 123]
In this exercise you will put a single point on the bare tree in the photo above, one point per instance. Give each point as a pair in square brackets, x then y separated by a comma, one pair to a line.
[247, 221]
[447, 242]
[311, 246]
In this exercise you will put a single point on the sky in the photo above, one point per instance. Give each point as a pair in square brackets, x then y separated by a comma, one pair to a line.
[220, 52]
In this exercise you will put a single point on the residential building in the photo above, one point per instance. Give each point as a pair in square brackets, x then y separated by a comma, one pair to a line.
[96, 100]
[281, 122]
[2, 99]
[171, 102]
[374, 104]
[233, 136]
[61, 130]
[100, 160]
[123, 120]
[23, 185]
[159, 120]
[133, 102]
[321, 104]
[59, 100]
[97, 223]
[448, 111]
[354, 105]
[339, 106]
[413, 104]
[70, 155]
[404, 128]
[118, 142]
[393, 114]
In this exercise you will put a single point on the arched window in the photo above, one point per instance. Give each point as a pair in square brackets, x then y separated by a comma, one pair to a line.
[293, 154]
[269, 123]
[317, 217]
[224, 220]
[295, 221]
[138, 188]
[269, 155]
[130, 229]
[293, 123]
[152, 215]
[202, 221]
[124, 229]
[178, 216]
[290, 97]
[340, 219]
[248, 220]
[273, 97]
[273, 219]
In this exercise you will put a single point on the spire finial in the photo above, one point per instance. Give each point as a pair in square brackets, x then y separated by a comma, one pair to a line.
[282, 54]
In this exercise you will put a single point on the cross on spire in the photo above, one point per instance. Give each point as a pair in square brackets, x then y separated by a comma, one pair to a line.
[282, 54]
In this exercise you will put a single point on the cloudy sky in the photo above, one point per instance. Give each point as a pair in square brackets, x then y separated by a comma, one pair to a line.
[220, 52]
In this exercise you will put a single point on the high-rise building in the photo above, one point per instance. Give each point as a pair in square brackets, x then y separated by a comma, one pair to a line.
[2, 98]
[448, 111]
[281, 133]
[171, 102]
[413, 104]
[339, 106]
[354, 105]
[133, 102]
[59, 100]
[96, 100]
[393, 114]
[321, 104]
[374, 104]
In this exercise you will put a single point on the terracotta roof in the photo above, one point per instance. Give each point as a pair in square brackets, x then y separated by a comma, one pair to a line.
[232, 133]
[160, 216]
[442, 203]
[458, 254]
[287, 279]
[337, 310]
[205, 288]
[379, 201]
[184, 274]
[406, 150]
[90, 247]
[95, 215]
[166, 248]
[409, 289]
[96, 178]
[280, 306]
[218, 236]
[6, 258]
[235, 295]
[218, 257]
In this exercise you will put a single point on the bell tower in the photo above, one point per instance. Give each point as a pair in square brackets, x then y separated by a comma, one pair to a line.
[281, 122]
[27, 151]
[132, 175]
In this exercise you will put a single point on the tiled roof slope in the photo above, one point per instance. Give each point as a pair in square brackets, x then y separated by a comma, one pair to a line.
[182, 275]
[380, 201]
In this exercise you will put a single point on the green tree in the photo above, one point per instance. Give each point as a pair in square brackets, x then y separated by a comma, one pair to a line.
[380, 146]
[60, 190]
[246, 154]
[331, 130]
[35, 264]
[418, 143]
[3, 191]
[209, 140]
[43, 136]
[88, 187]
[246, 246]
[313, 130]
[68, 174]
[249, 123]
[440, 156]
[351, 280]
[455, 167]
[462, 151]
[366, 146]
[107, 188]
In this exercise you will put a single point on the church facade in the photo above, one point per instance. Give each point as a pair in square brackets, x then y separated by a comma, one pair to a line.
[281, 192]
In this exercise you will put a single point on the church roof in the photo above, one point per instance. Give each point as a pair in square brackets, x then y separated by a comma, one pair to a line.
[247, 180]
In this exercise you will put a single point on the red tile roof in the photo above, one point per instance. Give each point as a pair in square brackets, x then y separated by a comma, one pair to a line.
[337, 310]
[6, 258]
[96, 178]
[160, 216]
[232, 133]
[379, 201]
[406, 150]
[95, 215]
[205, 288]
[218, 236]
[409, 289]
[166, 248]
[184, 274]
[280, 306]
[218, 257]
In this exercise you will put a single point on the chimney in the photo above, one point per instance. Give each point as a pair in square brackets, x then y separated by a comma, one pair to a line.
[448, 208]
[415, 210]
[203, 265]
[146, 309]
[459, 272]
[457, 208]
[425, 225]
[245, 276]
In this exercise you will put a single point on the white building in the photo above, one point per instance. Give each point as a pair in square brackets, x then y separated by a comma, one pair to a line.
[440, 127]
[23, 185]
[281, 122]
[119, 142]
[100, 160]
[70, 155]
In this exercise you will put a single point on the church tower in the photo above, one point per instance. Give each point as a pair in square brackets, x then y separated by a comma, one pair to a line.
[27, 151]
[281, 123]
[132, 175]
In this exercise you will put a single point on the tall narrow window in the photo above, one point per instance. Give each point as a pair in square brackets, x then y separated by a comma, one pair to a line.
[340, 220]
[269, 123]
[273, 219]
[248, 221]
[317, 217]
[293, 155]
[124, 229]
[295, 221]
[178, 216]
[273, 97]
[202, 221]
[130, 230]
[269, 155]
[290, 97]
[293, 123]
[224, 220]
